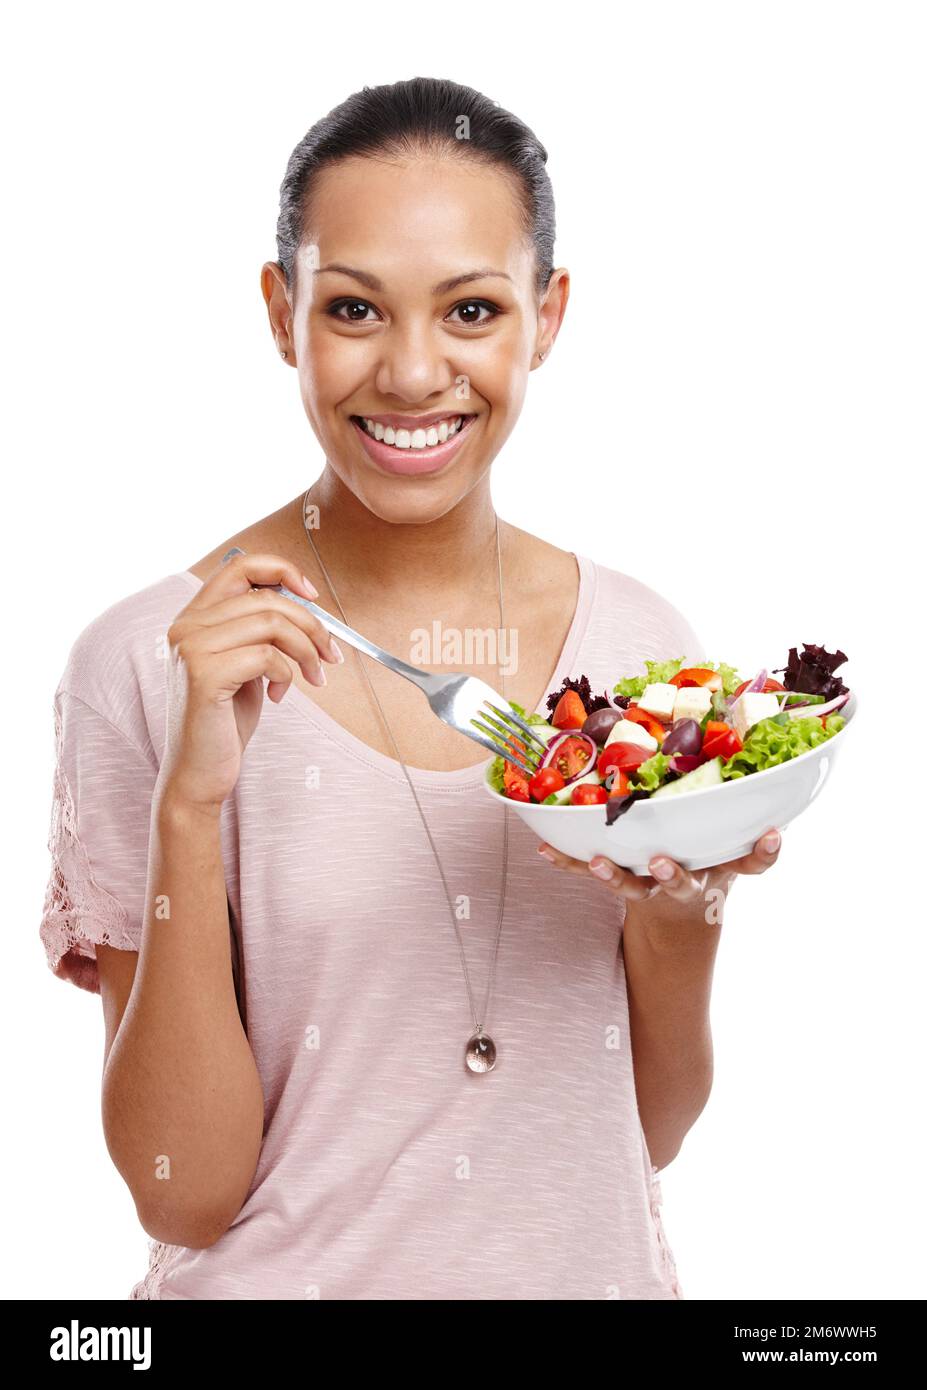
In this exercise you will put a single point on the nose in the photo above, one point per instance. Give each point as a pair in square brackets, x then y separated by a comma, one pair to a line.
[413, 364]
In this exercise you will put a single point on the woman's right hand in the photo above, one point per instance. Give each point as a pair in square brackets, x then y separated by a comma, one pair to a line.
[220, 647]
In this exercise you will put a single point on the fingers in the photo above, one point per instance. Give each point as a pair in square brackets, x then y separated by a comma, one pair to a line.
[668, 877]
[267, 601]
[230, 670]
[761, 856]
[237, 575]
[675, 881]
[619, 881]
[260, 627]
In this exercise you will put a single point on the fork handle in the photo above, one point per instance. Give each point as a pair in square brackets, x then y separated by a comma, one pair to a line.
[425, 680]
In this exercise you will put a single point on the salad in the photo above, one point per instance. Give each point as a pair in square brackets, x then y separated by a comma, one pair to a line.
[676, 729]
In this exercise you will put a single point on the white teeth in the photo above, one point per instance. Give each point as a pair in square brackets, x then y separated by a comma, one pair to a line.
[414, 439]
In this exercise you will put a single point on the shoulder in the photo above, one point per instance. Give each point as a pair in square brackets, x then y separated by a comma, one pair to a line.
[117, 659]
[641, 617]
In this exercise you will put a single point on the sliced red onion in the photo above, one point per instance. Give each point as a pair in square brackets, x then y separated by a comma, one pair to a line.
[756, 684]
[803, 703]
[550, 757]
[796, 711]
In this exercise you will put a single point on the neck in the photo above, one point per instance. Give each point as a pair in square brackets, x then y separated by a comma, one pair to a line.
[456, 553]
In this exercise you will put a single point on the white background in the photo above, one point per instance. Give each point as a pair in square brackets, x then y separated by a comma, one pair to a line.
[740, 198]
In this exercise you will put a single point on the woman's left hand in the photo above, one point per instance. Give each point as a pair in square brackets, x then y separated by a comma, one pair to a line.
[668, 877]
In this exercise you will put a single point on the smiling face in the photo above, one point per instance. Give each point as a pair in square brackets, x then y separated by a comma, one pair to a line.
[414, 323]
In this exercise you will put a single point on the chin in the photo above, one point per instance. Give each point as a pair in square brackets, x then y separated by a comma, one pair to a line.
[407, 501]
[402, 504]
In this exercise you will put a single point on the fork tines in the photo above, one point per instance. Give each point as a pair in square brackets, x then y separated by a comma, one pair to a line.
[511, 726]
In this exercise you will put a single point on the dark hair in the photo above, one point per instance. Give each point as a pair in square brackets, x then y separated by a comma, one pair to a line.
[422, 114]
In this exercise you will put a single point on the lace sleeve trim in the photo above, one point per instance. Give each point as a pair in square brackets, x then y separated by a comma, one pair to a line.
[669, 1262]
[77, 912]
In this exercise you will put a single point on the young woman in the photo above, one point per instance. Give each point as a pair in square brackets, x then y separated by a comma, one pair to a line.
[362, 1041]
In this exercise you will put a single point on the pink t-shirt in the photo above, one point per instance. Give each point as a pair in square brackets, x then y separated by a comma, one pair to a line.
[387, 1171]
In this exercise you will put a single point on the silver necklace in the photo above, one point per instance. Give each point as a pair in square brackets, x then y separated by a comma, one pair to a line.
[480, 1053]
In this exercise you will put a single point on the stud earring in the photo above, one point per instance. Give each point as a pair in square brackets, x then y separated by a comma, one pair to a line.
[283, 352]
[541, 356]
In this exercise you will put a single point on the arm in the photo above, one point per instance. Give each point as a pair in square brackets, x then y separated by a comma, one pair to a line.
[670, 939]
[183, 1110]
[669, 954]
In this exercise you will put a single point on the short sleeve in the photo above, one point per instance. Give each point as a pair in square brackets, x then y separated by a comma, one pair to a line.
[98, 842]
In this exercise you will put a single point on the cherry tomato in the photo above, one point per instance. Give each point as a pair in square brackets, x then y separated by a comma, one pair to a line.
[697, 675]
[572, 756]
[618, 754]
[588, 794]
[544, 782]
[570, 712]
[514, 780]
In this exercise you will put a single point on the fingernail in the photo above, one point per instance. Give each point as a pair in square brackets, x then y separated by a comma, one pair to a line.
[338, 653]
[310, 588]
[602, 869]
[772, 842]
[542, 849]
[322, 676]
[663, 869]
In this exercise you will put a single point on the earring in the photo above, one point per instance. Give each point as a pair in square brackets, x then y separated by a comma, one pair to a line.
[541, 356]
[283, 352]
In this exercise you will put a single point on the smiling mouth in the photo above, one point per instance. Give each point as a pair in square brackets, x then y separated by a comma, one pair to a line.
[420, 440]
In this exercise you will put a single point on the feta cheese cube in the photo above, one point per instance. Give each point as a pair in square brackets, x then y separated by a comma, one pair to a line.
[659, 699]
[751, 708]
[692, 702]
[627, 731]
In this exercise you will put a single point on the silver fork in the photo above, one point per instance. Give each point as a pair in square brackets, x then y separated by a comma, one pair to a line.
[462, 702]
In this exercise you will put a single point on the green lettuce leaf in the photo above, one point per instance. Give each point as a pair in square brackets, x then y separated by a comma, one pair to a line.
[497, 774]
[634, 686]
[778, 739]
[662, 671]
[649, 775]
[730, 679]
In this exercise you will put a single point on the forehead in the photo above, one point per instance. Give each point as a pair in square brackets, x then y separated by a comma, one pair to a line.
[413, 222]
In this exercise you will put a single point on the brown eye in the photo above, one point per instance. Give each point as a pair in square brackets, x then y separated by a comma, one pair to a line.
[351, 305]
[469, 319]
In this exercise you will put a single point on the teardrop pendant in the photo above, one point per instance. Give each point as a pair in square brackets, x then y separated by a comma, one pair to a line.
[481, 1053]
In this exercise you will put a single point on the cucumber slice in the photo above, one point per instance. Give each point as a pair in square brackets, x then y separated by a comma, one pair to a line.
[708, 775]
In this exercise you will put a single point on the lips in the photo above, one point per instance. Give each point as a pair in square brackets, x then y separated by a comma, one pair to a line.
[405, 462]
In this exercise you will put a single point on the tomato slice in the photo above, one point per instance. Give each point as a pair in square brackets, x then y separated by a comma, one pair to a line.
[713, 727]
[620, 786]
[617, 754]
[697, 675]
[588, 794]
[769, 685]
[647, 721]
[514, 780]
[723, 744]
[572, 757]
[570, 712]
[516, 784]
[544, 782]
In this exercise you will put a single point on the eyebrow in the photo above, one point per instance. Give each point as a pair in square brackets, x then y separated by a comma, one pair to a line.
[442, 287]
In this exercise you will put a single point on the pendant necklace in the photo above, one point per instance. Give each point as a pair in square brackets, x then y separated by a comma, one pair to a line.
[480, 1052]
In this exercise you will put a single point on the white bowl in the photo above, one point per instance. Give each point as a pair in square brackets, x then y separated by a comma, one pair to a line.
[698, 828]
